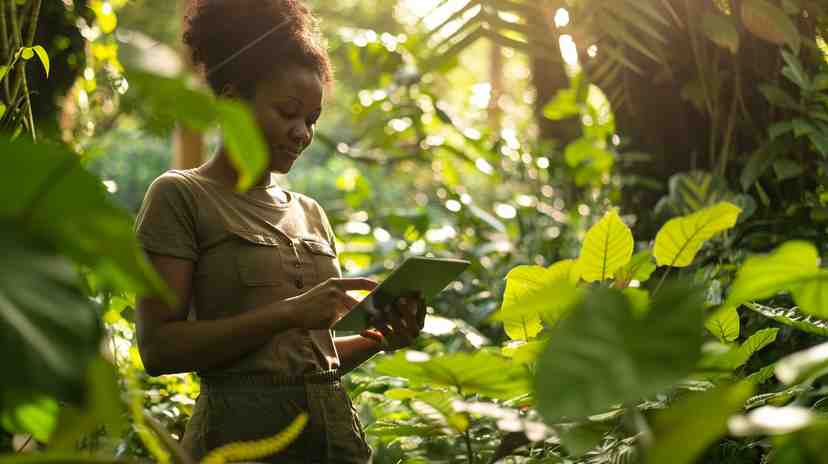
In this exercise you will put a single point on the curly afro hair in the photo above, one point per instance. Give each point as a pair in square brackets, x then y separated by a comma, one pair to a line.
[238, 42]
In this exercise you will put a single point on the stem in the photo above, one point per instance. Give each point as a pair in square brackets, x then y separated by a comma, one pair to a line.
[4, 49]
[469, 451]
[19, 69]
[29, 107]
[25, 444]
[663, 278]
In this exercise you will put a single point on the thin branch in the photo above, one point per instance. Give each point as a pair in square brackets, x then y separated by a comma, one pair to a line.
[4, 43]
[25, 444]
[33, 17]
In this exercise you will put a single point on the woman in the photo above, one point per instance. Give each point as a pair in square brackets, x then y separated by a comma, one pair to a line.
[259, 269]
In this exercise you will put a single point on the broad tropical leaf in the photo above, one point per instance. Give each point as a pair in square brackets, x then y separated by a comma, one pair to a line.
[688, 427]
[603, 339]
[481, 372]
[534, 294]
[48, 329]
[51, 196]
[794, 267]
[678, 241]
[608, 246]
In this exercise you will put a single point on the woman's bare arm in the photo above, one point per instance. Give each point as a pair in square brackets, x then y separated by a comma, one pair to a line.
[169, 343]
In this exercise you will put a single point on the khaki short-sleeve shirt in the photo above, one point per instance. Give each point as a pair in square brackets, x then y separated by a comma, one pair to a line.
[249, 251]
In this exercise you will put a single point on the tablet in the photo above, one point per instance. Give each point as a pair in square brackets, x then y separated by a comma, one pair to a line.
[428, 276]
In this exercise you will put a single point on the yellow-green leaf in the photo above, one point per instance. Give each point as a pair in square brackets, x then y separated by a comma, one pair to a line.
[26, 53]
[678, 241]
[764, 276]
[724, 324]
[44, 57]
[608, 246]
[535, 293]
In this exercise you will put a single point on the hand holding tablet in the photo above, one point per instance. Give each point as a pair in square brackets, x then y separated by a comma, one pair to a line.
[425, 277]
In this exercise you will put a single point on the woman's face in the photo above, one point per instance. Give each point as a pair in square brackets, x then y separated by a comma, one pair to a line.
[286, 107]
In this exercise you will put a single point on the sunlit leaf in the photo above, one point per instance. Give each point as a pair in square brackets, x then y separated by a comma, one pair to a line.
[794, 267]
[640, 267]
[678, 241]
[603, 339]
[533, 294]
[608, 245]
[723, 323]
[688, 427]
[44, 57]
[479, 372]
[35, 415]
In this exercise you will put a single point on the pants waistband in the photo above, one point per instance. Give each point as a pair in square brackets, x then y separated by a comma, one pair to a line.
[268, 379]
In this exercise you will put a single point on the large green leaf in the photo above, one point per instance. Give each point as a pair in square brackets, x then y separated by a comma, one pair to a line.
[48, 330]
[792, 317]
[678, 241]
[603, 339]
[245, 143]
[608, 246]
[688, 427]
[533, 294]
[49, 195]
[481, 372]
[794, 267]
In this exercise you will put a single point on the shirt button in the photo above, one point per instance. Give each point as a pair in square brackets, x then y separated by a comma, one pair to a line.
[290, 244]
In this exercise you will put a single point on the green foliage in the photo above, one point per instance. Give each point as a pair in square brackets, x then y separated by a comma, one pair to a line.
[724, 324]
[678, 241]
[607, 247]
[482, 372]
[793, 267]
[245, 143]
[603, 338]
[684, 430]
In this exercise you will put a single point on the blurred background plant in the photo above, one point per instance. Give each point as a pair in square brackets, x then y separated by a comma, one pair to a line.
[501, 131]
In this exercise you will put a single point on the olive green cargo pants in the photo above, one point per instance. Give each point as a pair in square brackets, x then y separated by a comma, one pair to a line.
[252, 407]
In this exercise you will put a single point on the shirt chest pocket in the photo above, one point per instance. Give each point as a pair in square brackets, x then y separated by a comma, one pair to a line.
[258, 258]
[323, 257]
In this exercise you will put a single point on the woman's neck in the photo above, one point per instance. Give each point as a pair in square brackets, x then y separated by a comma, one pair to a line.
[220, 169]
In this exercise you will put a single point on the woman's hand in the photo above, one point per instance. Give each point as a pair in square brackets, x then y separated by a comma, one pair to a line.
[399, 325]
[323, 305]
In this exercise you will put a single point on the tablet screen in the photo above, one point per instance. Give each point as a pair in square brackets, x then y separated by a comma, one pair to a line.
[428, 276]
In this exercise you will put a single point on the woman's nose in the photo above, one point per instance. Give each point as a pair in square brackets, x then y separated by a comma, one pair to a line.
[300, 134]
